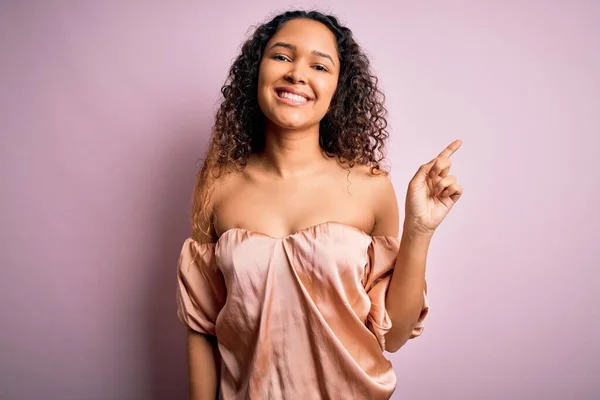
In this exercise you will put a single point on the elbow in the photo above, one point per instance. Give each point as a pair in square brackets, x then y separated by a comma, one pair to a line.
[400, 333]
[405, 326]
[395, 340]
[392, 349]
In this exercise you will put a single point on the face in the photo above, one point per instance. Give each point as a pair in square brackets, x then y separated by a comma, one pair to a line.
[298, 74]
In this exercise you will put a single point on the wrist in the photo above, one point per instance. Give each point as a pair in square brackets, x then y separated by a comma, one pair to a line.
[415, 232]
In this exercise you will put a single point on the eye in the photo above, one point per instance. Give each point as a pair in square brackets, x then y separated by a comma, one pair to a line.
[280, 57]
[320, 67]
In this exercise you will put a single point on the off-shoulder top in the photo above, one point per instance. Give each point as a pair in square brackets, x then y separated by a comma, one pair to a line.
[298, 317]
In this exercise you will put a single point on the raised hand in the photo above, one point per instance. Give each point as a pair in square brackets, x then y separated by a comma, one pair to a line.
[432, 193]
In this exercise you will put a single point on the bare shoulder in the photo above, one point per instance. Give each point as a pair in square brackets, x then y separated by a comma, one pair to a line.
[380, 193]
[218, 189]
[377, 180]
[224, 185]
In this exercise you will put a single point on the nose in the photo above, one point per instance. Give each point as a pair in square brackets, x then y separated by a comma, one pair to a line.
[295, 76]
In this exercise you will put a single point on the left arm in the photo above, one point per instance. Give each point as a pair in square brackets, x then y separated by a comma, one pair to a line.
[431, 195]
[404, 298]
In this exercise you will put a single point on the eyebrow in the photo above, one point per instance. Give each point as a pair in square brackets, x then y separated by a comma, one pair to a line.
[293, 48]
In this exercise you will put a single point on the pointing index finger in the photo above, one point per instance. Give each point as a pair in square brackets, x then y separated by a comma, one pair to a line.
[452, 147]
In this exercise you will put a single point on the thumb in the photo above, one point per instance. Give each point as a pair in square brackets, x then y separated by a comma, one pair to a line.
[423, 170]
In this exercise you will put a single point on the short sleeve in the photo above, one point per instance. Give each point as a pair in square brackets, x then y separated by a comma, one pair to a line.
[201, 290]
[382, 254]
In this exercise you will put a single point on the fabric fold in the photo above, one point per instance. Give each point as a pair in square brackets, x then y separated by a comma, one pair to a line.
[302, 316]
[201, 290]
[383, 253]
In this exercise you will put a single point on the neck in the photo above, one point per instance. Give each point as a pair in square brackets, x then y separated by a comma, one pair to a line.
[291, 153]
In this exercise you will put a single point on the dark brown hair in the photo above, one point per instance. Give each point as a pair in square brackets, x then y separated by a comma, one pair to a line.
[353, 130]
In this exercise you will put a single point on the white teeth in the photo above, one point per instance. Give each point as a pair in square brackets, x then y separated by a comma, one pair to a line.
[293, 97]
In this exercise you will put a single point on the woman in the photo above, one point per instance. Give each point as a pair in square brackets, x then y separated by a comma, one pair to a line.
[287, 284]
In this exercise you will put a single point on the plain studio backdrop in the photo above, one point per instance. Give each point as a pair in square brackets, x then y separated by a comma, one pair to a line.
[106, 107]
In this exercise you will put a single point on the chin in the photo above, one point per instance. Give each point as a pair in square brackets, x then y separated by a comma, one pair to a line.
[290, 123]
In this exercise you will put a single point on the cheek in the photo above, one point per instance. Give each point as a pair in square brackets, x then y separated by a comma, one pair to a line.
[263, 87]
[262, 78]
[326, 90]
[268, 74]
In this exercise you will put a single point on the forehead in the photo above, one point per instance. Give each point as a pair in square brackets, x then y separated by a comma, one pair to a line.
[307, 35]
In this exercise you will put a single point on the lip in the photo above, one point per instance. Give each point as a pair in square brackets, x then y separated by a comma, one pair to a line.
[293, 91]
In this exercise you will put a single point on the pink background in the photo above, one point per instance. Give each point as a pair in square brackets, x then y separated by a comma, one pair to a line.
[106, 107]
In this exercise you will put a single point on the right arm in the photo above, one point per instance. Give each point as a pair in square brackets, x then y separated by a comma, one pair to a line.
[204, 360]
[203, 366]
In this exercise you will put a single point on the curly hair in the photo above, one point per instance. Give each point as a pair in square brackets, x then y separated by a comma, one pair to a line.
[353, 130]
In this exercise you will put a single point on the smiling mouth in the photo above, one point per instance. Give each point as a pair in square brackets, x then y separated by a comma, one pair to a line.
[290, 98]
